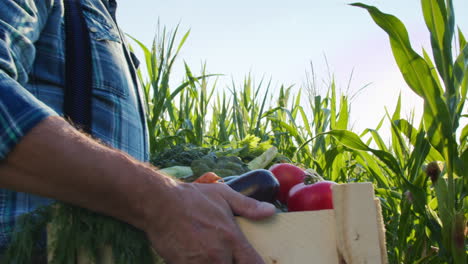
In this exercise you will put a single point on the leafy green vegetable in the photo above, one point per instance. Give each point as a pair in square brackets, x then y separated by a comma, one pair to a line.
[223, 166]
[76, 230]
[29, 228]
[251, 147]
[179, 155]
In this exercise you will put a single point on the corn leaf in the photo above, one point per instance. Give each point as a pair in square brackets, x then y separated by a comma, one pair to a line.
[460, 64]
[461, 77]
[337, 166]
[330, 155]
[343, 117]
[348, 139]
[461, 39]
[440, 23]
[464, 135]
[417, 74]
[351, 140]
[333, 107]
[147, 54]
[292, 131]
[411, 133]
[418, 157]
[435, 74]
[371, 165]
[398, 144]
[378, 140]
[305, 120]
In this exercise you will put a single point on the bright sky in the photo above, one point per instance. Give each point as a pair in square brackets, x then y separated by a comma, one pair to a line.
[279, 39]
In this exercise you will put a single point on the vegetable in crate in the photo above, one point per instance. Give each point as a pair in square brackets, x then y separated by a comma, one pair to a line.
[258, 184]
[311, 197]
[221, 166]
[251, 147]
[208, 177]
[288, 175]
[264, 159]
[179, 155]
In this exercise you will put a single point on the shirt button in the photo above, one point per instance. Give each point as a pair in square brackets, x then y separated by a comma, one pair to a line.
[93, 29]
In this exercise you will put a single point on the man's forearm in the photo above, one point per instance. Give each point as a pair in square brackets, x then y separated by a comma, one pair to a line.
[55, 160]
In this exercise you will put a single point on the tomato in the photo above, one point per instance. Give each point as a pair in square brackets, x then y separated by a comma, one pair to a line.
[317, 196]
[288, 175]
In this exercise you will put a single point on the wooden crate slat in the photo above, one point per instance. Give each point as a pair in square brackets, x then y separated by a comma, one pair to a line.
[357, 227]
[299, 237]
[381, 227]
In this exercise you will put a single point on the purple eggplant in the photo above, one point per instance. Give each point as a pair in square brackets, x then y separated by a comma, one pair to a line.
[258, 184]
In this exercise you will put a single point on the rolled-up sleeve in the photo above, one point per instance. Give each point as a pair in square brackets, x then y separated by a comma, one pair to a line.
[21, 22]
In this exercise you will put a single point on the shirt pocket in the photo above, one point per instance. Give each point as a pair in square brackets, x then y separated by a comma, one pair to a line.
[101, 27]
[109, 63]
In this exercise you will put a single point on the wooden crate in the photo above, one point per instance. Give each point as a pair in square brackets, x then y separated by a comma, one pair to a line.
[351, 233]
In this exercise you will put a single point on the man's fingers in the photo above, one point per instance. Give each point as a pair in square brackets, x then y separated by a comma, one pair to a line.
[244, 253]
[204, 250]
[247, 207]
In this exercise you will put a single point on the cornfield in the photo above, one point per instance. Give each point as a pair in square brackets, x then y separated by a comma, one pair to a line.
[420, 175]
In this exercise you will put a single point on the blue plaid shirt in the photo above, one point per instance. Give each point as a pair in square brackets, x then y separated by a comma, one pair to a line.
[32, 78]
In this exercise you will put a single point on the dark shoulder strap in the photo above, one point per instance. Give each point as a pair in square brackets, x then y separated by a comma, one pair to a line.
[78, 67]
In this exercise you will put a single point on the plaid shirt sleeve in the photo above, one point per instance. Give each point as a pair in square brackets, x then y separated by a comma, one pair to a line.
[21, 22]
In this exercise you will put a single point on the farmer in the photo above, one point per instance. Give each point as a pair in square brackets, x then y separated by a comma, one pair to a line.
[44, 157]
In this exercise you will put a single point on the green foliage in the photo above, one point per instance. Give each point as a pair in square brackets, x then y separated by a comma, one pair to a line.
[444, 94]
[90, 231]
[196, 124]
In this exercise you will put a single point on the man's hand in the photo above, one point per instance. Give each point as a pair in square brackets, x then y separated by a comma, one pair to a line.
[197, 226]
[187, 223]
